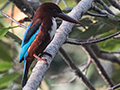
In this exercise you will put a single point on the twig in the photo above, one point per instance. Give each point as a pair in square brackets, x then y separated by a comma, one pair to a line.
[88, 62]
[86, 67]
[58, 1]
[93, 41]
[116, 37]
[13, 20]
[75, 69]
[105, 6]
[105, 56]
[65, 3]
[111, 52]
[115, 3]
[99, 53]
[99, 67]
[96, 15]
[67, 71]
[97, 9]
[115, 87]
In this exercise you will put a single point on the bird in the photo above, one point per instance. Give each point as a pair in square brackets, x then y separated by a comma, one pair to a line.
[39, 34]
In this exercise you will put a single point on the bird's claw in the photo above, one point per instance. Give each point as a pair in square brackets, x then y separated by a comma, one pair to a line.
[40, 59]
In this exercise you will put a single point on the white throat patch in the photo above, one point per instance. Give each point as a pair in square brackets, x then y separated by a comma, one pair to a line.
[54, 27]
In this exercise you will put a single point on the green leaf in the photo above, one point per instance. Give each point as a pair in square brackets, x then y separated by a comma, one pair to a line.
[80, 33]
[1, 1]
[86, 21]
[70, 3]
[114, 17]
[6, 79]
[110, 44]
[109, 22]
[15, 37]
[103, 29]
[5, 66]
[91, 31]
[3, 31]
[1, 25]
[4, 54]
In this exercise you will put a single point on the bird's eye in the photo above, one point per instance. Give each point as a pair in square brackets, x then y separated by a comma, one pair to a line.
[55, 10]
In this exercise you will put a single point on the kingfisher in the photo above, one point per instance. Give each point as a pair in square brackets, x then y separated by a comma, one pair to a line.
[39, 34]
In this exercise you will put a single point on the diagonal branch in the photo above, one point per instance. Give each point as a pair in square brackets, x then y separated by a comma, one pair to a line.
[70, 63]
[115, 3]
[13, 20]
[97, 9]
[107, 56]
[60, 37]
[77, 42]
[115, 87]
[95, 14]
[105, 6]
[99, 67]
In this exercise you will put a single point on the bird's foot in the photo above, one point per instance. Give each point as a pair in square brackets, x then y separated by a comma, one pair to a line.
[40, 59]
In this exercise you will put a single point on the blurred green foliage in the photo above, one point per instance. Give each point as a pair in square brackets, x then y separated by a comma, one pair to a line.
[11, 69]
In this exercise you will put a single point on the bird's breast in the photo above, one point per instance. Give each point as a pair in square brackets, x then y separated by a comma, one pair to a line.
[54, 27]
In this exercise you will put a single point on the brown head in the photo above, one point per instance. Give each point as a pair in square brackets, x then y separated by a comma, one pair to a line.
[52, 10]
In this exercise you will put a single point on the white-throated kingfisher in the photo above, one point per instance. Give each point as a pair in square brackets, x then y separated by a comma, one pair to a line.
[39, 34]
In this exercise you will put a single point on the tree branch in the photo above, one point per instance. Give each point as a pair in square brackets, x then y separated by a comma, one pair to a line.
[99, 67]
[96, 49]
[97, 15]
[115, 3]
[103, 55]
[78, 42]
[115, 87]
[97, 9]
[105, 6]
[13, 20]
[70, 63]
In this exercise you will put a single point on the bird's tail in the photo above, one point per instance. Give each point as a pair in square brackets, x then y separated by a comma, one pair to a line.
[25, 72]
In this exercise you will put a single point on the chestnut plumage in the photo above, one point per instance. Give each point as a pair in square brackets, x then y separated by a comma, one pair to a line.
[40, 33]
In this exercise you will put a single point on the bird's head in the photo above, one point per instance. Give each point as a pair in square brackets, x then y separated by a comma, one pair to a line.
[52, 10]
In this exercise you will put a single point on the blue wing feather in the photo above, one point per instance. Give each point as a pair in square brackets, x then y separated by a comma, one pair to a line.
[26, 34]
[29, 37]
[25, 73]
[24, 45]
